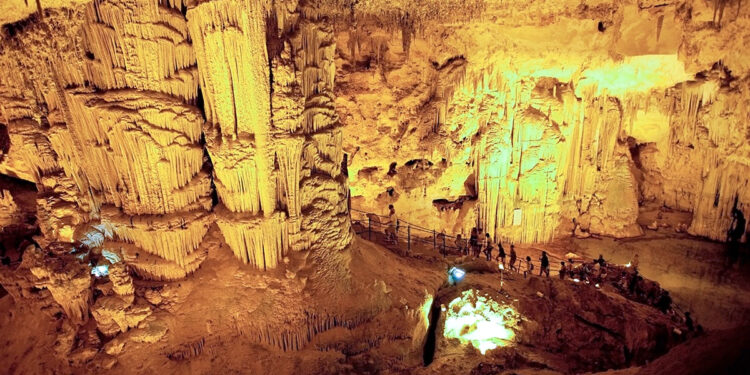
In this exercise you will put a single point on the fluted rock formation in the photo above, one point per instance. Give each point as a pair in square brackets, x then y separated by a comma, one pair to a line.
[264, 145]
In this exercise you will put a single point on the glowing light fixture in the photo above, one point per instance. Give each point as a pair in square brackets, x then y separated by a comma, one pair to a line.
[480, 321]
[627, 265]
[455, 275]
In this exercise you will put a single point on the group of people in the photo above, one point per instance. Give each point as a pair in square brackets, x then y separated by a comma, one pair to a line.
[595, 271]
[475, 247]
[626, 279]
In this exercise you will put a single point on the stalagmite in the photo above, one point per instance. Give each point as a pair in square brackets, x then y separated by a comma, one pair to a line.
[67, 279]
[726, 187]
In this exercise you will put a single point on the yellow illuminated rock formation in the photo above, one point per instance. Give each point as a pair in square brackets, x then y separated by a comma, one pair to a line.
[153, 146]
[548, 123]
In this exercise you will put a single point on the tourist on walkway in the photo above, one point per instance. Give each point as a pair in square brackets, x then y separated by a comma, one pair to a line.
[474, 242]
[633, 284]
[501, 253]
[634, 263]
[737, 227]
[562, 271]
[665, 302]
[513, 259]
[544, 264]
[461, 245]
[488, 246]
[529, 267]
[391, 229]
[689, 321]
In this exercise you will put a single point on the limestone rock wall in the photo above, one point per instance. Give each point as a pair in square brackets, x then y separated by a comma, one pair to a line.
[539, 121]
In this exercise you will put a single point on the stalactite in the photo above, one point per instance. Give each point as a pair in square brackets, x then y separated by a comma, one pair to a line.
[259, 241]
[236, 87]
[172, 237]
[140, 151]
[287, 99]
[144, 47]
[229, 38]
[289, 155]
[543, 159]
[694, 95]
[152, 267]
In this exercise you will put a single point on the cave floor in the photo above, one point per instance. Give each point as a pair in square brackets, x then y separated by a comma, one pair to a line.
[215, 326]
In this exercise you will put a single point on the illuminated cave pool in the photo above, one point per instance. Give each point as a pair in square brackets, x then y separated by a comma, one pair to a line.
[480, 321]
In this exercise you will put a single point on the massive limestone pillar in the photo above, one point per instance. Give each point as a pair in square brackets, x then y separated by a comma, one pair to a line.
[276, 153]
[132, 135]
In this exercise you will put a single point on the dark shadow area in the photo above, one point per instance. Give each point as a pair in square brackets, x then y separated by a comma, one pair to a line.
[428, 354]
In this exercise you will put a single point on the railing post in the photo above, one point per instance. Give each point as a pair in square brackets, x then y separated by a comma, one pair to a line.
[434, 241]
[408, 238]
[444, 250]
[369, 228]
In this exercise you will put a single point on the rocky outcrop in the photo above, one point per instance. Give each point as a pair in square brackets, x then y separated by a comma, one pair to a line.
[68, 280]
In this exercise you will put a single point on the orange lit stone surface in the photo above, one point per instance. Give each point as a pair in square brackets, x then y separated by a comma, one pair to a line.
[203, 186]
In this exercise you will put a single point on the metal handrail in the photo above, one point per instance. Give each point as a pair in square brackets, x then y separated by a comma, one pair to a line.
[403, 224]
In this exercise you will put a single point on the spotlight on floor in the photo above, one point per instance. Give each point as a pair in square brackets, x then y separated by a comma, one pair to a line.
[455, 275]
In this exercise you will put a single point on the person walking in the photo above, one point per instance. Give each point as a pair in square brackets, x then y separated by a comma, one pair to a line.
[529, 267]
[513, 258]
[474, 242]
[562, 271]
[461, 245]
[501, 253]
[634, 263]
[544, 264]
[488, 246]
[391, 229]
[736, 227]
[689, 321]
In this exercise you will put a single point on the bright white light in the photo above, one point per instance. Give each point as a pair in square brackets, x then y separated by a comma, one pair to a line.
[576, 280]
[100, 271]
[480, 321]
[596, 285]
[627, 265]
[457, 274]
[501, 267]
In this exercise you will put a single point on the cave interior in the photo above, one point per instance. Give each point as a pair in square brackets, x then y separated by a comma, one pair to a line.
[375, 186]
